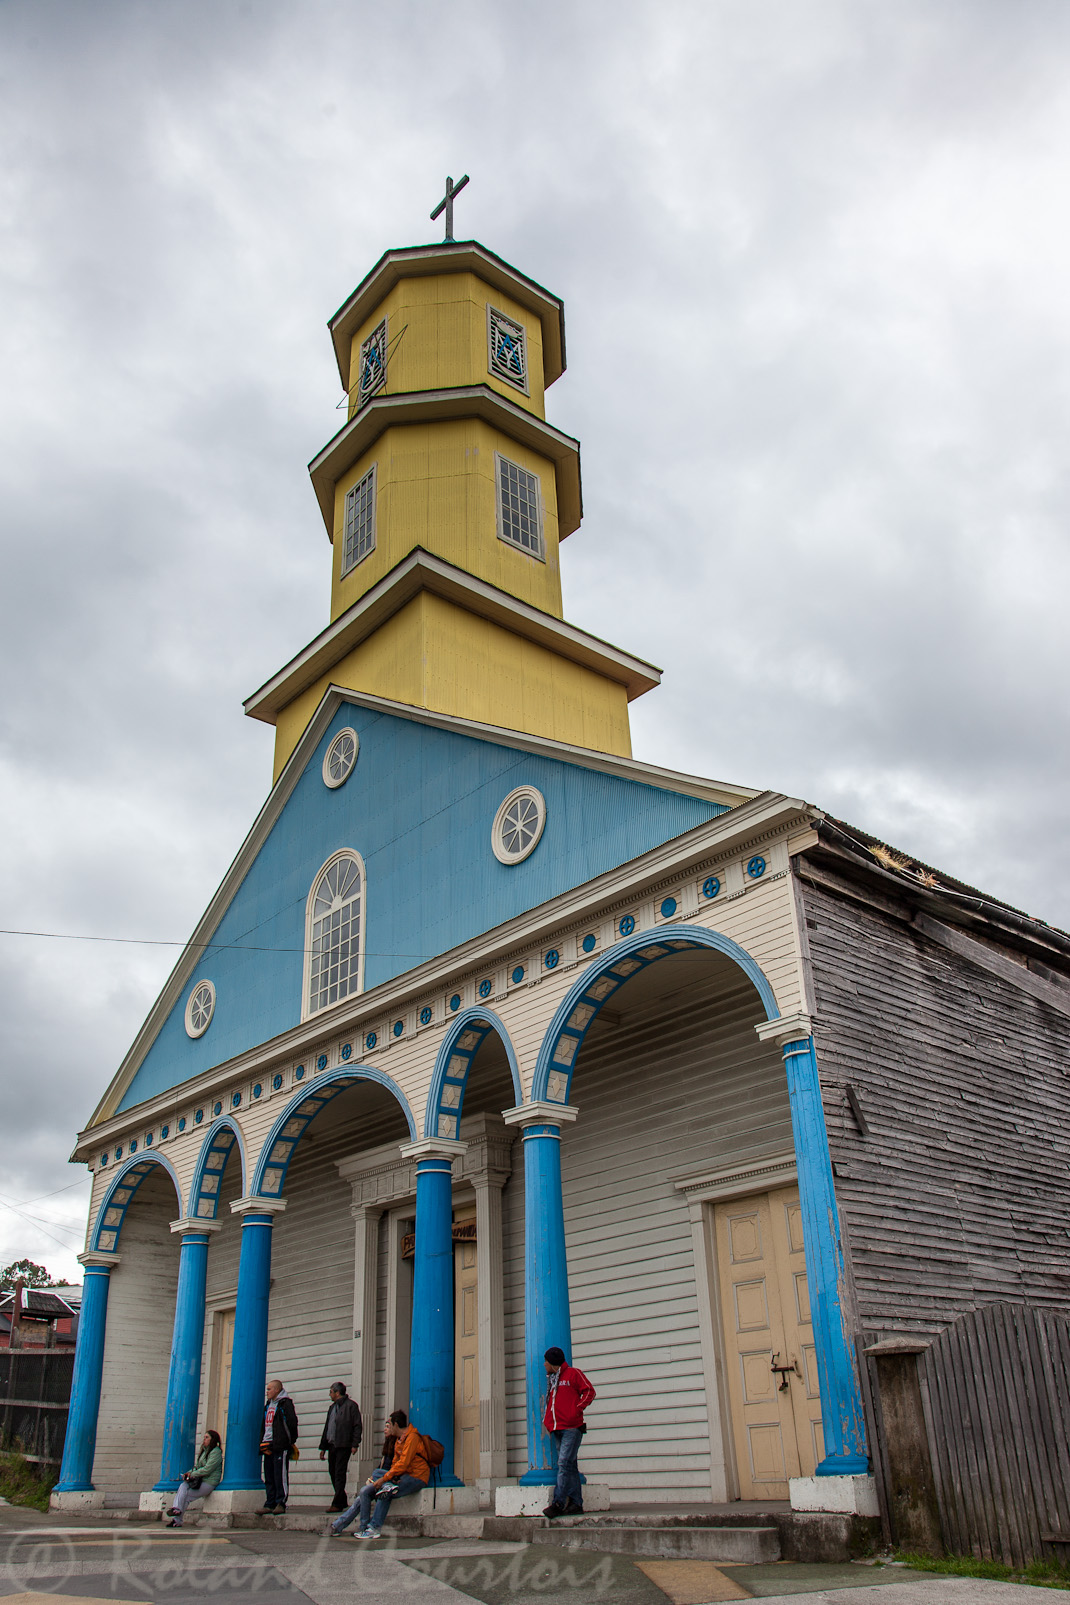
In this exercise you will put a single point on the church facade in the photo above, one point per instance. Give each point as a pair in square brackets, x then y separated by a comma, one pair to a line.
[495, 1037]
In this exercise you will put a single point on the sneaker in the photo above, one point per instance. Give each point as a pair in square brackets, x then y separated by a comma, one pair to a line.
[554, 1509]
[389, 1488]
[280, 1510]
[172, 1524]
[332, 1532]
[370, 1532]
[572, 1508]
[266, 1510]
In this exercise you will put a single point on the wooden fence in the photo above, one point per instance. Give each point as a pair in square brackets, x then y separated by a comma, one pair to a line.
[35, 1392]
[996, 1385]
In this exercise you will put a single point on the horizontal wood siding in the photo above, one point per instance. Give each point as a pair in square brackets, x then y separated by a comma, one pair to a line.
[681, 1082]
[515, 1361]
[960, 1195]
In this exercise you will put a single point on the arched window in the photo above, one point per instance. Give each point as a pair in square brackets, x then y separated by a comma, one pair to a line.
[335, 933]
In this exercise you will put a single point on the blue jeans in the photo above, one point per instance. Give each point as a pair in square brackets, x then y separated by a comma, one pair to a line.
[362, 1505]
[568, 1485]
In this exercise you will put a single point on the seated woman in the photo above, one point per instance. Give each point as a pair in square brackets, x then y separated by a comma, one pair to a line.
[201, 1477]
[408, 1472]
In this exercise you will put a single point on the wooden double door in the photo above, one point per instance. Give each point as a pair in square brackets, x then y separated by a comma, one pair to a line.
[466, 1355]
[770, 1359]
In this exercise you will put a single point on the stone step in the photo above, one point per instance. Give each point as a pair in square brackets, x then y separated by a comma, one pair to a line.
[745, 1546]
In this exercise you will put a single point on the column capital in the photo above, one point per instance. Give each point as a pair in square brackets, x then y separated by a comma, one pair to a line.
[94, 1259]
[434, 1148]
[785, 1028]
[258, 1206]
[188, 1224]
[368, 1206]
[541, 1113]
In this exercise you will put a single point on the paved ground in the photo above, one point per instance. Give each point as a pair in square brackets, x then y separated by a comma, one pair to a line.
[48, 1559]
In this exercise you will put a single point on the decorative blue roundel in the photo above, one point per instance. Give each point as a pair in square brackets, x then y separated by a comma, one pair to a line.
[133, 1145]
[235, 1100]
[668, 908]
[276, 1083]
[589, 943]
[198, 1117]
[486, 988]
[398, 1027]
[119, 1151]
[370, 1040]
[518, 975]
[552, 959]
[165, 1132]
[104, 1159]
[756, 867]
[455, 1002]
[299, 1073]
[627, 925]
[148, 1139]
[217, 1108]
[711, 886]
[182, 1123]
[425, 1015]
[321, 1062]
[257, 1090]
[347, 1050]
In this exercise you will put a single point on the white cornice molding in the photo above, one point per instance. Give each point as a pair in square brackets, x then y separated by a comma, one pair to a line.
[541, 1113]
[257, 1206]
[423, 571]
[786, 1028]
[433, 1148]
[735, 1181]
[189, 1223]
[404, 407]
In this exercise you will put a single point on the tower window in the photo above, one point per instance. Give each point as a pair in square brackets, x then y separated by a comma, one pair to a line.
[371, 375]
[334, 932]
[507, 356]
[360, 521]
[519, 510]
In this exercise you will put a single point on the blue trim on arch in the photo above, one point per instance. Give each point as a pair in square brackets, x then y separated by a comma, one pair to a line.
[211, 1163]
[446, 1097]
[120, 1195]
[289, 1128]
[611, 970]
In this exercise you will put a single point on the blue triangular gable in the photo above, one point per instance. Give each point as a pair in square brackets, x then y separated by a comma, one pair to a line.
[418, 808]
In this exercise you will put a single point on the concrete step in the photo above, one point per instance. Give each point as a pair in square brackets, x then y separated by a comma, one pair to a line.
[745, 1546]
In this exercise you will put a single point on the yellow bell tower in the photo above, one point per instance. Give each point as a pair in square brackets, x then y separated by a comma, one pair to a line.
[446, 495]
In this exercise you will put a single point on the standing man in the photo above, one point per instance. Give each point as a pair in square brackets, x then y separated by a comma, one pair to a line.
[568, 1393]
[278, 1437]
[342, 1432]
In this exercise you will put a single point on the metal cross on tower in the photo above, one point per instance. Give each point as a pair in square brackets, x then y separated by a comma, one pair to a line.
[446, 203]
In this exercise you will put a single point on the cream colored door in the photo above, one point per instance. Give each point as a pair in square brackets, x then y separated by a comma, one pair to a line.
[466, 1387]
[219, 1390]
[766, 1321]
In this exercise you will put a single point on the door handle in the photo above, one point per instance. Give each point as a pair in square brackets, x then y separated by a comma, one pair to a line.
[784, 1372]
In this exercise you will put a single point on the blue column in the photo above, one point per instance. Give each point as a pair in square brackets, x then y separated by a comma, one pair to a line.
[431, 1363]
[248, 1365]
[546, 1310]
[184, 1377]
[841, 1401]
[76, 1472]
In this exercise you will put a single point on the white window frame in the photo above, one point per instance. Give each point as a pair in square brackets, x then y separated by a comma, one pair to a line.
[517, 546]
[328, 779]
[378, 337]
[196, 1031]
[494, 315]
[348, 565]
[306, 1009]
[497, 843]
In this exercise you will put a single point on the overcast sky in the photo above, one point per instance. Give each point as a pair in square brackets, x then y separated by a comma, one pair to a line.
[815, 258]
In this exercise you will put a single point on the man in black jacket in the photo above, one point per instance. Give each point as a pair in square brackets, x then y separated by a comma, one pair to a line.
[342, 1432]
[278, 1435]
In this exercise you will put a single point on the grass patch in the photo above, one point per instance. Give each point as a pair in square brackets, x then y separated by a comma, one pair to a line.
[1040, 1573]
[21, 1483]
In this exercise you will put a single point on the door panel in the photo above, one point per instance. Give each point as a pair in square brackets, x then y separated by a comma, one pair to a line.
[466, 1374]
[219, 1390]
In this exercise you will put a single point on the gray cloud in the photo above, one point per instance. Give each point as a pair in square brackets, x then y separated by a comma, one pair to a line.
[814, 261]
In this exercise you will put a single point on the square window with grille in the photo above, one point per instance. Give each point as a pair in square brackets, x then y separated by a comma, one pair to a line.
[519, 509]
[371, 374]
[507, 356]
[360, 522]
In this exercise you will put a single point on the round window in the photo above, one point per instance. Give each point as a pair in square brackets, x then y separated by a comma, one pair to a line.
[200, 1008]
[518, 824]
[339, 758]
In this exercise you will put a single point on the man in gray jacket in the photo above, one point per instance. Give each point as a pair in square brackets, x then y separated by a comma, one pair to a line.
[342, 1432]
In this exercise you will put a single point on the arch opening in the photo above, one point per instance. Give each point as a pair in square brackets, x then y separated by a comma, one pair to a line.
[269, 1178]
[460, 1047]
[206, 1189]
[107, 1229]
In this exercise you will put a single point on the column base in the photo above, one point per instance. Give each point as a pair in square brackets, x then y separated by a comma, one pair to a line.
[843, 1466]
[528, 1499]
[157, 1498]
[76, 1499]
[845, 1496]
[227, 1501]
[454, 1501]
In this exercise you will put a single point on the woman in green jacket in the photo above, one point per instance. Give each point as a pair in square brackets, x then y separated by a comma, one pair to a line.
[208, 1468]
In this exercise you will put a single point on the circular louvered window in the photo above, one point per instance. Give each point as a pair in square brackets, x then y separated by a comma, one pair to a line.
[518, 824]
[339, 758]
[200, 1008]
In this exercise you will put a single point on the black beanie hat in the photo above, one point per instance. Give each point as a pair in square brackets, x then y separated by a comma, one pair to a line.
[555, 1356]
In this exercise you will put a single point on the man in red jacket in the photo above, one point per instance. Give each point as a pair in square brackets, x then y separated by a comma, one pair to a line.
[568, 1393]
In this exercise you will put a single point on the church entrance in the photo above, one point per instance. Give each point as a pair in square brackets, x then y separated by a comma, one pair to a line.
[219, 1387]
[771, 1364]
[466, 1352]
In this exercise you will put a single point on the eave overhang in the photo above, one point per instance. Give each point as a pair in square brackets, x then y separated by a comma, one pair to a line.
[422, 571]
[456, 256]
[434, 406]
